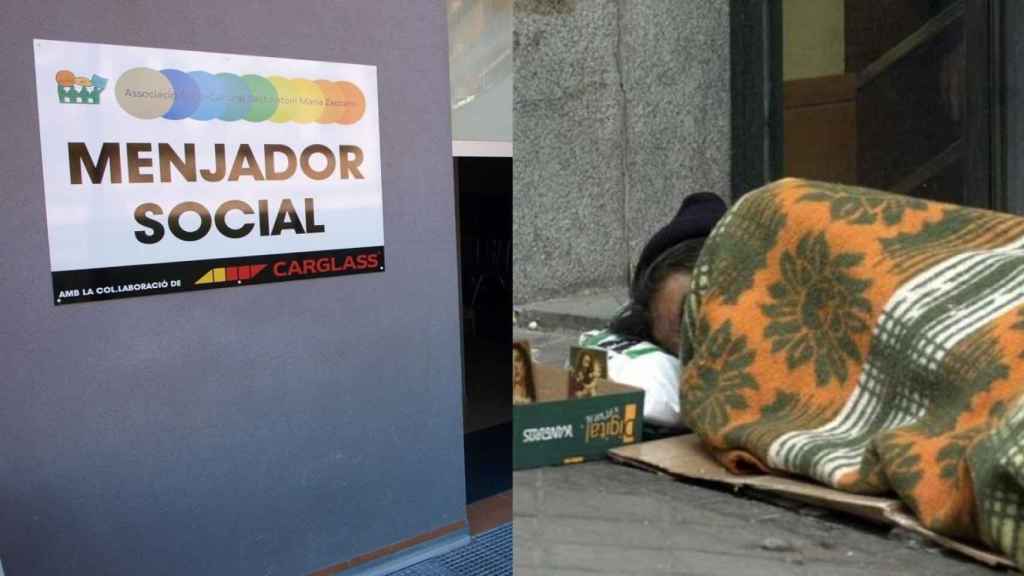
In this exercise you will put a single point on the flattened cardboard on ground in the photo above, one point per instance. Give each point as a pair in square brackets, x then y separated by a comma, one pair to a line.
[685, 457]
[556, 430]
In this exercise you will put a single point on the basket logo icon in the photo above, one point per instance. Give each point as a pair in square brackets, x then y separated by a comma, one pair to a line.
[72, 89]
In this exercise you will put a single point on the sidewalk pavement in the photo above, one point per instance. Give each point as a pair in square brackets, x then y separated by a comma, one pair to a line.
[577, 313]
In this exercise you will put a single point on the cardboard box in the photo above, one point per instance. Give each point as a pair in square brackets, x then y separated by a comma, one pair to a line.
[684, 457]
[556, 430]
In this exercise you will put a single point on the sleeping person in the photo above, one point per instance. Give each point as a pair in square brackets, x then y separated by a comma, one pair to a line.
[870, 341]
[643, 340]
[663, 273]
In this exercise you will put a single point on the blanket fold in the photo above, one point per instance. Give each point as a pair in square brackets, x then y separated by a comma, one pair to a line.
[870, 341]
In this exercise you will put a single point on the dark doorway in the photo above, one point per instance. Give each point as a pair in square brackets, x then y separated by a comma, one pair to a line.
[484, 193]
[899, 95]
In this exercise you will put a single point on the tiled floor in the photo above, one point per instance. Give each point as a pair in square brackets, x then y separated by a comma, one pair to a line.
[489, 513]
[488, 554]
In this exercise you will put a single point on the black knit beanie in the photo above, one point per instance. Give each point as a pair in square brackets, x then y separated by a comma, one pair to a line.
[694, 219]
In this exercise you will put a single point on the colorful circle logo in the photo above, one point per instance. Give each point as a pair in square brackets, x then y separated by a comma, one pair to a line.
[144, 93]
[176, 95]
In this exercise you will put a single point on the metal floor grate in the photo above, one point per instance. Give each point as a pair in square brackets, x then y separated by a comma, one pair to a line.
[488, 554]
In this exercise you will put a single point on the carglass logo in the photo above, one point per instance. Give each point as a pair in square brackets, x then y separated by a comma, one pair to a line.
[237, 274]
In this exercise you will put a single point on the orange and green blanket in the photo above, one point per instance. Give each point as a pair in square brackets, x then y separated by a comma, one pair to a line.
[872, 342]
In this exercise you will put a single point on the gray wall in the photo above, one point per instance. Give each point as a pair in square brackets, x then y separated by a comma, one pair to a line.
[270, 429]
[622, 108]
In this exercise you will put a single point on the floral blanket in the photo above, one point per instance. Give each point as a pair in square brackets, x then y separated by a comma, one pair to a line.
[872, 342]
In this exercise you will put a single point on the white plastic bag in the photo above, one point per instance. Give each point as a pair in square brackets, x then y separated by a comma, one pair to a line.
[646, 366]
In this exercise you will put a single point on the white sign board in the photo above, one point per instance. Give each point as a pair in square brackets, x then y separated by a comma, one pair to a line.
[170, 170]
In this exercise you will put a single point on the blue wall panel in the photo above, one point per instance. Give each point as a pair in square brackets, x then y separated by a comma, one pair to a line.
[270, 429]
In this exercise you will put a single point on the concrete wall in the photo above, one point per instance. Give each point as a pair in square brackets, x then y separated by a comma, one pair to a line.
[272, 429]
[621, 110]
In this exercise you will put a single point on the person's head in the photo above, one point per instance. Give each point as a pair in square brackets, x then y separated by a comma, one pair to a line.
[664, 271]
[656, 297]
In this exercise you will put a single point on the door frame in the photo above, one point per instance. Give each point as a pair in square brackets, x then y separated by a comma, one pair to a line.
[755, 52]
[982, 176]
